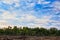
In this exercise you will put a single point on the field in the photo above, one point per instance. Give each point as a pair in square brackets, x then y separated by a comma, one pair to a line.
[29, 38]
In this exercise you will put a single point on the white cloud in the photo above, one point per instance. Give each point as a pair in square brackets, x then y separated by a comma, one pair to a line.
[8, 15]
[10, 2]
[27, 16]
[3, 23]
[7, 1]
[56, 4]
[43, 2]
[32, 20]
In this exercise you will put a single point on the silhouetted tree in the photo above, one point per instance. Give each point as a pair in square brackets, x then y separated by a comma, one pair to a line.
[8, 31]
[53, 31]
[15, 30]
[25, 31]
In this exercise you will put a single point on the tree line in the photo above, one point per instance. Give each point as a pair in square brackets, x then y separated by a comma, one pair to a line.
[25, 31]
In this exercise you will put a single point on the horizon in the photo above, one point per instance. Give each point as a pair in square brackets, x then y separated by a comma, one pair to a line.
[30, 13]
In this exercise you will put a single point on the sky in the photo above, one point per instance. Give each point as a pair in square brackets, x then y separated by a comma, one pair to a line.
[30, 13]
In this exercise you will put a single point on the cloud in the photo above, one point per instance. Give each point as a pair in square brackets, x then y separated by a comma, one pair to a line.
[43, 2]
[9, 1]
[8, 15]
[22, 13]
[32, 21]
[3, 23]
[57, 5]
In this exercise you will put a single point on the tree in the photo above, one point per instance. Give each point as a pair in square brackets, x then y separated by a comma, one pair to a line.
[44, 32]
[35, 31]
[15, 30]
[53, 31]
[25, 31]
[1, 32]
[8, 31]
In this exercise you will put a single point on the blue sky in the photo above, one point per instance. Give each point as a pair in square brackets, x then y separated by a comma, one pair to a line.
[31, 13]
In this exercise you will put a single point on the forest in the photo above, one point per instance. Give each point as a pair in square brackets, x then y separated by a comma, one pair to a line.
[25, 31]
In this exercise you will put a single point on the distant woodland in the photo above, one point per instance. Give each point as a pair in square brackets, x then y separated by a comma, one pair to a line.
[25, 31]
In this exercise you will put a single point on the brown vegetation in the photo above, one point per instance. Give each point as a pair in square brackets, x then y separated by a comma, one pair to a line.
[29, 38]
